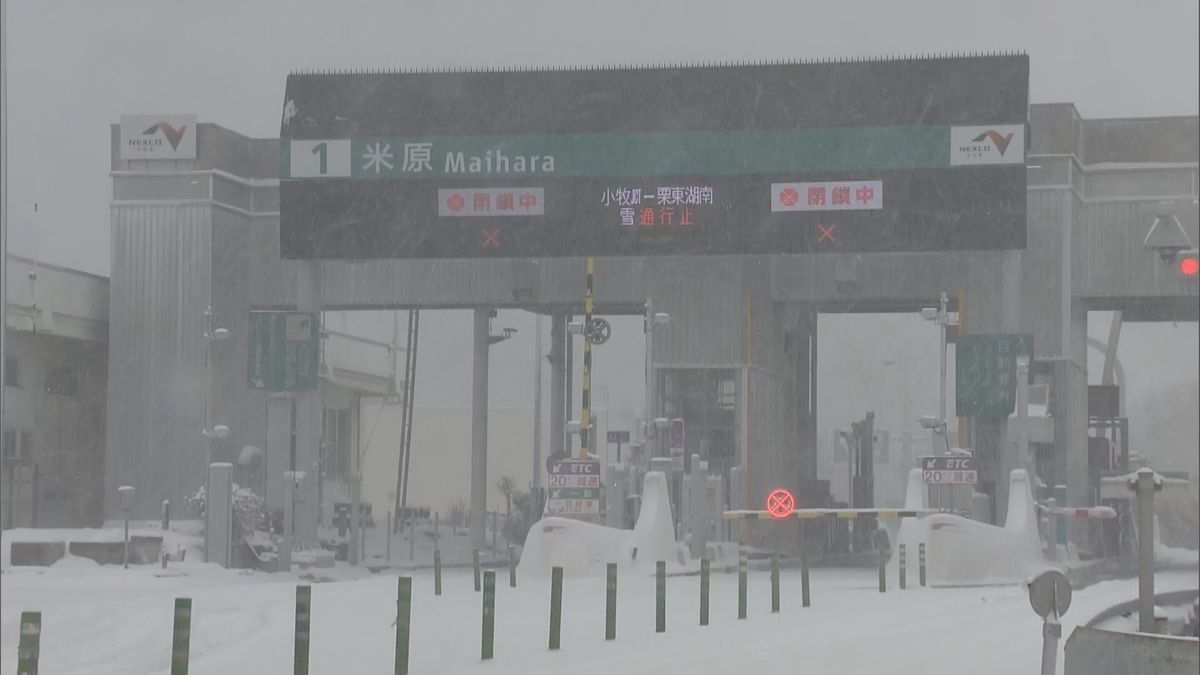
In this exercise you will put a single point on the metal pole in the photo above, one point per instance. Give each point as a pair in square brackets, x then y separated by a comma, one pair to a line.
[489, 616]
[208, 426]
[558, 415]
[1052, 529]
[285, 548]
[475, 566]
[1145, 502]
[585, 412]
[4, 224]
[479, 419]
[410, 387]
[303, 633]
[1025, 461]
[1051, 631]
[660, 596]
[774, 584]
[404, 413]
[355, 526]
[610, 603]
[537, 408]
[942, 321]
[649, 421]
[403, 623]
[741, 583]
[556, 576]
[126, 557]
[181, 636]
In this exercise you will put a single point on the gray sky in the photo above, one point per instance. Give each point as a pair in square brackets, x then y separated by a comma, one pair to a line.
[76, 65]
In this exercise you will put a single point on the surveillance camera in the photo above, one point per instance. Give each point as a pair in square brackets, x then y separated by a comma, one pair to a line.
[509, 332]
[930, 422]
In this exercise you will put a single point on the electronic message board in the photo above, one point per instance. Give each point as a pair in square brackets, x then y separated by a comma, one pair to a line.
[885, 155]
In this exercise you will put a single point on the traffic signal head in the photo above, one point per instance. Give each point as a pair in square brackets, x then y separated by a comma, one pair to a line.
[1187, 263]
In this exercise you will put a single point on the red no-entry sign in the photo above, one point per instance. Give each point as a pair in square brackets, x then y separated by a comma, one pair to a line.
[780, 503]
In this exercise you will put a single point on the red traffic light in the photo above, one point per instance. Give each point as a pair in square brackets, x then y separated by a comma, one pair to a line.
[1189, 265]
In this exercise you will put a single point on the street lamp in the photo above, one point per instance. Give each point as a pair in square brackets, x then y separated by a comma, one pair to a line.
[211, 335]
[650, 321]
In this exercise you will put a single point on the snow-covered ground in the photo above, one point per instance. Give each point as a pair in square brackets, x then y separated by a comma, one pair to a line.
[99, 620]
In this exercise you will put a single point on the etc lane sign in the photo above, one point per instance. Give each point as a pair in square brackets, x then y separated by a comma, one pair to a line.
[574, 488]
[948, 470]
[755, 159]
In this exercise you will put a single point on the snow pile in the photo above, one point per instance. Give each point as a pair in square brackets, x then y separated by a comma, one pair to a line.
[585, 549]
[960, 551]
[74, 562]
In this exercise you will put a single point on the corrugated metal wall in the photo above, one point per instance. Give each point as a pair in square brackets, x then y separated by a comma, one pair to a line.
[159, 288]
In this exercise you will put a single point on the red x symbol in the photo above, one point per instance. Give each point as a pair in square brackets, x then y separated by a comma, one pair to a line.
[491, 238]
[780, 503]
[827, 233]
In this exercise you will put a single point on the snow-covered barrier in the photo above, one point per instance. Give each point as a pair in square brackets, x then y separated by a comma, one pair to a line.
[960, 551]
[30, 547]
[585, 549]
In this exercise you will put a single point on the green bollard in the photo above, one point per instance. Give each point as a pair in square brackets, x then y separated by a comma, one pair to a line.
[774, 584]
[803, 576]
[512, 566]
[403, 622]
[741, 584]
[921, 554]
[610, 604]
[182, 637]
[882, 572]
[489, 615]
[660, 596]
[475, 561]
[903, 568]
[29, 643]
[303, 625]
[704, 572]
[437, 572]
[556, 576]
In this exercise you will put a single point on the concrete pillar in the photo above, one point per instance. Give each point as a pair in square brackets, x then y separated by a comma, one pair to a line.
[1072, 439]
[991, 305]
[1145, 513]
[355, 530]
[308, 421]
[218, 515]
[288, 482]
[698, 515]
[479, 414]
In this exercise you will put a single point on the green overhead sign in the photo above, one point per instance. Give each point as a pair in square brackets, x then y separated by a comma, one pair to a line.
[284, 351]
[986, 374]
[679, 153]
